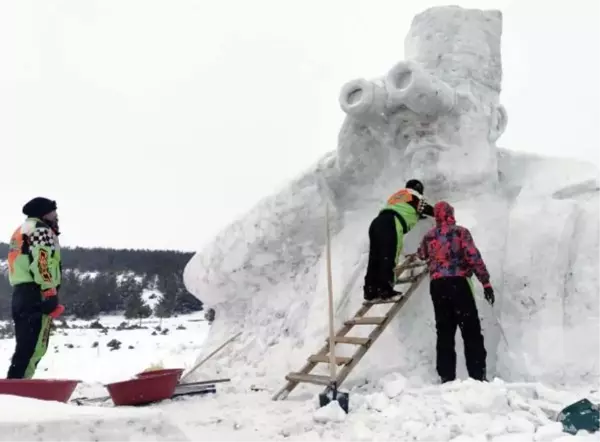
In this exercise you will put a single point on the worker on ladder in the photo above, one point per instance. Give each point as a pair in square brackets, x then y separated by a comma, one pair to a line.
[386, 239]
[452, 258]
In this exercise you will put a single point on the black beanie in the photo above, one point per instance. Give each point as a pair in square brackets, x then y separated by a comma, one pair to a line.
[415, 185]
[38, 207]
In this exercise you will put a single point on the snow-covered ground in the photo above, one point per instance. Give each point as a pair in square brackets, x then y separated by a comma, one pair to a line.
[391, 408]
[82, 353]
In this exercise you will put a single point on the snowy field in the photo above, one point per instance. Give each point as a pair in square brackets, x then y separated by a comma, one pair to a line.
[391, 408]
[73, 352]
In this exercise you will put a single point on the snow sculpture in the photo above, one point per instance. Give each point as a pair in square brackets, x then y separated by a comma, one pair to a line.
[435, 116]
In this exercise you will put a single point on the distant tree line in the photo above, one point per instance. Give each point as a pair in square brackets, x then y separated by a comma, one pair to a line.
[103, 281]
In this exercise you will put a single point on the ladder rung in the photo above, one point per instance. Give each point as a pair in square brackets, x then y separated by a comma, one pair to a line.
[366, 320]
[309, 378]
[339, 360]
[350, 340]
[414, 265]
[385, 301]
[408, 280]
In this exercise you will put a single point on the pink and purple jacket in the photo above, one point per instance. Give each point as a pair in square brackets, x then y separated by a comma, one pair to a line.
[450, 249]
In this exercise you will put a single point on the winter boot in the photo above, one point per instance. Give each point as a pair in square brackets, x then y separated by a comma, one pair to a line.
[391, 295]
[370, 293]
[387, 295]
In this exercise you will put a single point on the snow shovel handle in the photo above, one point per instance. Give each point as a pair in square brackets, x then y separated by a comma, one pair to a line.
[332, 361]
[195, 367]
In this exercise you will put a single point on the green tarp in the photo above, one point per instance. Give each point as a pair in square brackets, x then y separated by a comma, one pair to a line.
[582, 415]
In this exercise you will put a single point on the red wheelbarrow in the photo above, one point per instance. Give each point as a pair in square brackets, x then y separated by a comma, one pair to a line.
[157, 385]
[150, 387]
[59, 390]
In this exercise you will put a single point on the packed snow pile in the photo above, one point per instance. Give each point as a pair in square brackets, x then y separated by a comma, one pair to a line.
[435, 116]
[32, 419]
[459, 411]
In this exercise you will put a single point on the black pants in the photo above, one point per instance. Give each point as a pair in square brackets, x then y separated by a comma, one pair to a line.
[454, 306]
[32, 331]
[383, 244]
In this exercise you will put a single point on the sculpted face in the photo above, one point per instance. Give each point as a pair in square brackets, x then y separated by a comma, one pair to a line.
[440, 108]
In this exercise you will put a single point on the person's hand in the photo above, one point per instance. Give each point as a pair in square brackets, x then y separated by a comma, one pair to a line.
[49, 293]
[50, 304]
[488, 293]
[57, 311]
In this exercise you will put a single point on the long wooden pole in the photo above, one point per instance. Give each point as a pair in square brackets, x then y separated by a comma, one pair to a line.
[332, 361]
[197, 366]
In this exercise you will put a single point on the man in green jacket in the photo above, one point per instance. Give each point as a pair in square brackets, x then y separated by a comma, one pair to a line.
[34, 266]
[386, 239]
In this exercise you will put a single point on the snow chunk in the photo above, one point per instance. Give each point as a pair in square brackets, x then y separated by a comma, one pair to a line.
[549, 432]
[514, 437]
[395, 387]
[377, 401]
[332, 412]
[464, 438]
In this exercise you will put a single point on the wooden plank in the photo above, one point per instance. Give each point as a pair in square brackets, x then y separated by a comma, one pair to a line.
[207, 382]
[351, 340]
[398, 270]
[309, 378]
[339, 360]
[361, 351]
[414, 265]
[408, 280]
[207, 389]
[366, 320]
[385, 301]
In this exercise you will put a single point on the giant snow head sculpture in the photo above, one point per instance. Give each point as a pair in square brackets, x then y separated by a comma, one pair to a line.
[437, 113]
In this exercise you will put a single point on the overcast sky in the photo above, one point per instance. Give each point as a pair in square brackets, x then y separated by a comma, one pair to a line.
[156, 123]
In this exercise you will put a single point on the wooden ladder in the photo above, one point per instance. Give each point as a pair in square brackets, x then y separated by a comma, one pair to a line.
[363, 344]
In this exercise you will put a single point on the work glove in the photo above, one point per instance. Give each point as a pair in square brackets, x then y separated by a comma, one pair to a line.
[488, 293]
[49, 301]
[50, 304]
[57, 311]
[49, 293]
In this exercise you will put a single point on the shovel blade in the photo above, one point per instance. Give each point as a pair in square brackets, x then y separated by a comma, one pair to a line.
[342, 398]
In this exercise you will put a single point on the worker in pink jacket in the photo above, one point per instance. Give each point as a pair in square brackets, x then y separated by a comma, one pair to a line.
[453, 258]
